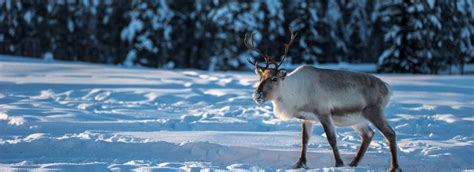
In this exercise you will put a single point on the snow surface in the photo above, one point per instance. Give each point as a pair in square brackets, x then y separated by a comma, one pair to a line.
[84, 117]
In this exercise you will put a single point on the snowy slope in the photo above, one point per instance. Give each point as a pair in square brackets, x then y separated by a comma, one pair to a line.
[78, 117]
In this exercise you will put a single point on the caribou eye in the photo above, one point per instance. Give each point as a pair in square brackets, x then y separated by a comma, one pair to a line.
[274, 79]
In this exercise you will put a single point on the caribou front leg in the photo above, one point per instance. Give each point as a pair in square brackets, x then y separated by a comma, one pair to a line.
[330, 131]
[306, 130]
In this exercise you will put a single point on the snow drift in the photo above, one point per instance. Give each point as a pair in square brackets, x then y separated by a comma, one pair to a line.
[77, 116]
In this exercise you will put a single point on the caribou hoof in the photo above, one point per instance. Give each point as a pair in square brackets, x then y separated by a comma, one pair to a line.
[339, 163]
[353, 164]
[395, 169]
[300, 164]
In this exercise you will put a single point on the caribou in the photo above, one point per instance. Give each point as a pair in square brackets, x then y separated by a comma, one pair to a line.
[334, 98]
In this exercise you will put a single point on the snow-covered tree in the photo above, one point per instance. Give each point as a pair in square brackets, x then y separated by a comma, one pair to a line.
[426, 36]
[307, 21]
[335, 31]
[231, 20]
[148, 33]
[357, 29]
[456, 40]
[19, 31]
[404, 38]
[408, 36]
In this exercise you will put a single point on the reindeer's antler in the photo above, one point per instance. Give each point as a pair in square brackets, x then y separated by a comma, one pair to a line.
[267, 58]
[287, 46]
[252, 47]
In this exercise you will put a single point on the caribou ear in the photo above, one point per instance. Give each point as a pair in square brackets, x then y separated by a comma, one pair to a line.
[282, 73]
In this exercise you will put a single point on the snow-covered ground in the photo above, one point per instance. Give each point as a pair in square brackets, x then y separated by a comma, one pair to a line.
[87, 117]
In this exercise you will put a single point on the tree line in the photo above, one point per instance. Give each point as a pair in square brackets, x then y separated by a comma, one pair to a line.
[403, 36]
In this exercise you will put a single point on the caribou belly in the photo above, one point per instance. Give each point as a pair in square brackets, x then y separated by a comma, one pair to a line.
[348, 119]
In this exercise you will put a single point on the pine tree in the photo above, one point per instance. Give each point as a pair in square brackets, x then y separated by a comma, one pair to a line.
[418, 42]
[313, 24]
[148, 34]
[460, 23]
[403, 37]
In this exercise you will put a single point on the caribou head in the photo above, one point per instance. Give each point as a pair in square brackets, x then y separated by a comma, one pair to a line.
[271, 78]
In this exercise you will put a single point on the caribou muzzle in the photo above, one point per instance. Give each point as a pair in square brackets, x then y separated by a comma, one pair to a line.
[258, 97]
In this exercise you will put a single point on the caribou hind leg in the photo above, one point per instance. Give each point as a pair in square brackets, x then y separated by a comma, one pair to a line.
[366, 134]
[306, 130]
[377, 118]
